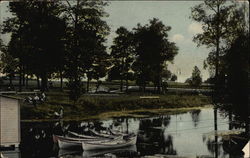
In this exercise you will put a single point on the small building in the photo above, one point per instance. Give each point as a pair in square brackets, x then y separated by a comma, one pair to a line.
[10, 132]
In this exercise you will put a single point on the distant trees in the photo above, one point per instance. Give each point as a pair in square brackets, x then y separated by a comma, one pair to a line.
[195, 79]
[37, 44]
[173, 77]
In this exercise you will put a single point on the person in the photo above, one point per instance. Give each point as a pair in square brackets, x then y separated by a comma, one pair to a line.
[43, 97]
[35, 100]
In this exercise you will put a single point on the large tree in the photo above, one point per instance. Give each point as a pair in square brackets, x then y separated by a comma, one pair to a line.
[86, 36]
[221, 21]
[152, 49]
[122, 53]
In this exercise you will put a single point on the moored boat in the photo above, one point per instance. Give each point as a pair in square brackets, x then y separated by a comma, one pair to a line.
[110, 144]
[67, 142]
[82, 135]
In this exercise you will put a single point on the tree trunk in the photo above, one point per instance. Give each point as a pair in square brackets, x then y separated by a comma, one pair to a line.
[215, 129]
[121, 84]
[10, 79]
[127, 83]
[88, 84]
[61, 80]
[38, 82]
[27, 81]
[44, 82]
[20, 80]
[23, 77]
[122, 74]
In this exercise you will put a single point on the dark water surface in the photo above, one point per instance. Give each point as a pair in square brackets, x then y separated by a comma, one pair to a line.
[186, 134]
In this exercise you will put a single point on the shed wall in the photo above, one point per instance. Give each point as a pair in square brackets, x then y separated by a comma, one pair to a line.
[10, 121]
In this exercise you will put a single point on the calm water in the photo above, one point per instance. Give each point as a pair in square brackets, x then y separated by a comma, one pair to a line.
[186, 134]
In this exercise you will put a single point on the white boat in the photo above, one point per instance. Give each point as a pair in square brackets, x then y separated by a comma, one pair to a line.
[105, 135]
[82, 135]
[67, 142]
[109, 144]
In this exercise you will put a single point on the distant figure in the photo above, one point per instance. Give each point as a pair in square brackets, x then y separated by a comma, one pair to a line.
[28, 100]
[43, 97]
[60, 114]
[35, 100]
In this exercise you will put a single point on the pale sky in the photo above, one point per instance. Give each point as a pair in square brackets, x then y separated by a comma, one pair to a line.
[171, 13]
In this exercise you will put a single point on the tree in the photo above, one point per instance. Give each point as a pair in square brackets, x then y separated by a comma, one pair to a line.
[36, 43]
[221, 22]
[237, 79]
[122, 52]
[173, 77]
[86, 35]
[8, 64]
[166, 74]
[196, 79]
[152, 49]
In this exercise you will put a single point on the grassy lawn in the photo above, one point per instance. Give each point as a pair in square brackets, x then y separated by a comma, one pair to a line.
[96, 107]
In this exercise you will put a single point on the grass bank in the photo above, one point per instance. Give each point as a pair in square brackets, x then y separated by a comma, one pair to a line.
[95, 107]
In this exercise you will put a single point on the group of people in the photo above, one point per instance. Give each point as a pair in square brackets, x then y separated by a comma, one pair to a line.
[36, 99]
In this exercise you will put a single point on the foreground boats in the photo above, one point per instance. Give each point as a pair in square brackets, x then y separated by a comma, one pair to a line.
[110, 144]
[68, 142]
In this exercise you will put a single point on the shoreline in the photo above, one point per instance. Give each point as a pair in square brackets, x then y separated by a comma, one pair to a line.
[138, 113]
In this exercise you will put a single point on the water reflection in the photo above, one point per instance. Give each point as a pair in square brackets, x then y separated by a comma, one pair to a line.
[181, 134]
[195, 114]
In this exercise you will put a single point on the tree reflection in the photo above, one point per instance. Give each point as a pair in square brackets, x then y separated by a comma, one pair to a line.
[151, 138]
[195, 114]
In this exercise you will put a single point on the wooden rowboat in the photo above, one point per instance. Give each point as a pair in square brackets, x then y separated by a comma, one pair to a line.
[109, 144]
[67, 142]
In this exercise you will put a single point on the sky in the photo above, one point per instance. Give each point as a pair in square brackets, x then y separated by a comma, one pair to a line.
[171, 13]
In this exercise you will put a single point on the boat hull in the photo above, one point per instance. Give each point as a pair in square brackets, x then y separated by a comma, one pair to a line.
[96, 145]
[63, 144]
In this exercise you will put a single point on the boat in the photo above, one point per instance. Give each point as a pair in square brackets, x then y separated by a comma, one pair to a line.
[68, 142]
[82, 135]
[119, 142]
[104, 135]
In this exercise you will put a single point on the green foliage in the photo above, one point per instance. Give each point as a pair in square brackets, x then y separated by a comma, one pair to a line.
[122, 53]
[222, 22]
[173, 77]
[37, 44]
[152, 50]
[8, 64]
[86, 52]
[195, 79]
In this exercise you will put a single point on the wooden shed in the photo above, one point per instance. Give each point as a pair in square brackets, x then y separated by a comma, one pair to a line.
[10, 132]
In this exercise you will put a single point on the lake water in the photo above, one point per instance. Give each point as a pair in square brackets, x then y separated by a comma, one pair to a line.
[186, 134]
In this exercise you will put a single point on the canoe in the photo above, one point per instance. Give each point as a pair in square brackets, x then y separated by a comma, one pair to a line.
[109, 144]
